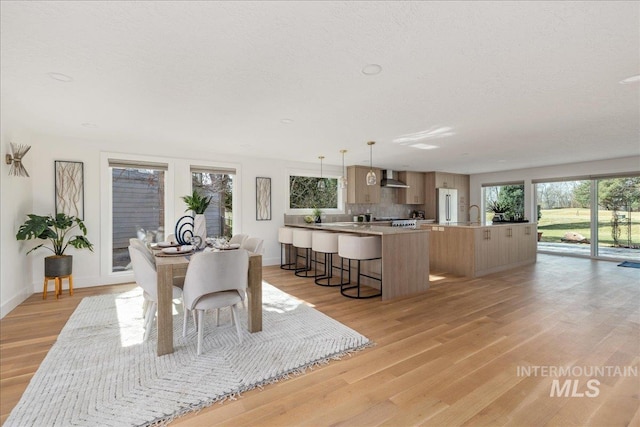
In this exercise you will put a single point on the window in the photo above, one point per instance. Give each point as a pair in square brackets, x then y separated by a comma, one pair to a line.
[137, 207]
[590, 217]
[504, 202]
[217, 184]
[311, 192]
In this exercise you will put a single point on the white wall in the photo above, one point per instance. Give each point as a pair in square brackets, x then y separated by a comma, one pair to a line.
[16, 282]
[601, 167]
[36, 194]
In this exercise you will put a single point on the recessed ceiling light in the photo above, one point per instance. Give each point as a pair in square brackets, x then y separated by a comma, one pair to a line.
[60, 77]
[371, 69]
[286, 121]
[90, 125]
[632, 79]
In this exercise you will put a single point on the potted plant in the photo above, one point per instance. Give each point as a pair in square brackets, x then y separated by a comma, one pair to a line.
[539, 216]
[498, 210]
[317, 215]
[198, 204]
[55, 229]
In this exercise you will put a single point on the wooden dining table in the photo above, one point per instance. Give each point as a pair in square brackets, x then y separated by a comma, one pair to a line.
[169, 267]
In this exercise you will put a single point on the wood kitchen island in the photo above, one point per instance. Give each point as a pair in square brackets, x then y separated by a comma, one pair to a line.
[405, 255]
[474, 250]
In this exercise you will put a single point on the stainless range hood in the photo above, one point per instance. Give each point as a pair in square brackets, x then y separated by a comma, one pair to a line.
[389, 181]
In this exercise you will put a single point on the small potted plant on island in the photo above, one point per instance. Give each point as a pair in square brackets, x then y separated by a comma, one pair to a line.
[56, 229]
[198, 204]
[498, 210]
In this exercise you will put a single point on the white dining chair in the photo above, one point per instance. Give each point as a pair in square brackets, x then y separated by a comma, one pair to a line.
[215, 280]
[238, 239]
[253, 244]
[146, 277]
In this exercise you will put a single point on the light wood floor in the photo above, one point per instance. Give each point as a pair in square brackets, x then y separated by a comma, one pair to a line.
[448, 357]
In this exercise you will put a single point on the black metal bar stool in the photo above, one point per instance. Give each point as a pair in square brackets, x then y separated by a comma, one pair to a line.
[302, 239]
[361, 249]
[285, 237]
[326, 243]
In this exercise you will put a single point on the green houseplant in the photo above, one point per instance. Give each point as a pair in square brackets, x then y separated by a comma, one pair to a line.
[58, 231]
[198, 204]
[498, 209]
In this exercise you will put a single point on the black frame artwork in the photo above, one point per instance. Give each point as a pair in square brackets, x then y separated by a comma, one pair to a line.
[69, 188]
[263, 199]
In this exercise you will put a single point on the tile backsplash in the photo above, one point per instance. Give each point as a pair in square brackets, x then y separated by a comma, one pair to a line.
[387, 208]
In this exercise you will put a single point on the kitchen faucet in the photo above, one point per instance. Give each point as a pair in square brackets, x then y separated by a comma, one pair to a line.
[478, 217]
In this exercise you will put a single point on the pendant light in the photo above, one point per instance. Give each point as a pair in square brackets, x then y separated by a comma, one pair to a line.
[371, 176]
[343, 179]
[321, 184]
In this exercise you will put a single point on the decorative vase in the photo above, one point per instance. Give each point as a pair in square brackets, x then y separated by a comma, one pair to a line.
[200, 229]
[58, 265]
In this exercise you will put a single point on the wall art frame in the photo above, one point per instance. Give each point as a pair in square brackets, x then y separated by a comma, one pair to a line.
[69, 188]
[263, 199]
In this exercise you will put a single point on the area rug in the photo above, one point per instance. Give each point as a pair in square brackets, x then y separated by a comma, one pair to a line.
[100, 373]
[629, 264]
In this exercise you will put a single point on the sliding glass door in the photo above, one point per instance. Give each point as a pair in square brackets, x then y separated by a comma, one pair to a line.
[618, 223]
[590, 217]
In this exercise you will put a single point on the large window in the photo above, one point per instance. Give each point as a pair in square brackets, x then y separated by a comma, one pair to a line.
[310, 192]
[504, 202]
[138, 195]
[590, 217]
[564, 216]
[217, 184]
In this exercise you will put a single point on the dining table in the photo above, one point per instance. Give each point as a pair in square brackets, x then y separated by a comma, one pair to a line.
[170, 267]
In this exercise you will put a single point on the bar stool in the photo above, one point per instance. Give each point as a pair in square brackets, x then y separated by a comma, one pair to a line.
[285, 237]
[326, 243]
[360, 249]
[303, 239]
[57, 281]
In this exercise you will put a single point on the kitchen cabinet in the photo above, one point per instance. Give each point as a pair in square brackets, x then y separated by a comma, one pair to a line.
[474, 251]
[357, 189]
[414, 195]
[434, 180]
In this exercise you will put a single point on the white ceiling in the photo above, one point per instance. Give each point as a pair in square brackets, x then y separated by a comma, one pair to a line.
[520, 84]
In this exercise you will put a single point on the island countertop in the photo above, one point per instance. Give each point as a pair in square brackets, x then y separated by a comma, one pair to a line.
[404, 265]
[359, 228]
[476, 224]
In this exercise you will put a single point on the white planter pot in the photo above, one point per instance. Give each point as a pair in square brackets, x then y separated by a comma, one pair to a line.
[200, 229]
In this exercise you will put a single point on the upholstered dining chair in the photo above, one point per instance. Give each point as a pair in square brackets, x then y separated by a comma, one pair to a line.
[253, 244]
[146, 277]
[215, 280]
[238, 239]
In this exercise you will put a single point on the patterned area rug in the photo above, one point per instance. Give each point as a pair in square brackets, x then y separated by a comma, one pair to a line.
[99, 372]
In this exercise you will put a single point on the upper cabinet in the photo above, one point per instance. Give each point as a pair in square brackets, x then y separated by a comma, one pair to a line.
[433, 180]
[357, 189]
[414, 195]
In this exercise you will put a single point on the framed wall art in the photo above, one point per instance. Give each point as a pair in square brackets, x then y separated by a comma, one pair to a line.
[263, 199]
[69, 181]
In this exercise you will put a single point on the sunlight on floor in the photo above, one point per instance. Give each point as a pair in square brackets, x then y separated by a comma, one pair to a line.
[435, 278]
[282, 305]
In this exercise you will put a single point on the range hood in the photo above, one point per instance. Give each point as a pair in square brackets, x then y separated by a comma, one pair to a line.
[389, 181]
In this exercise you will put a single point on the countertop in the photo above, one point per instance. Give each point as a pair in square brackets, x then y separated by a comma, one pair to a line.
[360, 228]
[477, 224]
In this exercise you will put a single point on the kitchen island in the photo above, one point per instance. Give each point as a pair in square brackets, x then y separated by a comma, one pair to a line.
[475, 249]
[405, 253]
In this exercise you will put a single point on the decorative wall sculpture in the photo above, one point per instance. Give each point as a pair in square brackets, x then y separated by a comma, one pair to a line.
[70, 188]
[263, 199]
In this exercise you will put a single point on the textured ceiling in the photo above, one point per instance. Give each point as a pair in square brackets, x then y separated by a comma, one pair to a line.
[519, 84]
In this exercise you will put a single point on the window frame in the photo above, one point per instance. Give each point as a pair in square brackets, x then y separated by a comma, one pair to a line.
[309, 211]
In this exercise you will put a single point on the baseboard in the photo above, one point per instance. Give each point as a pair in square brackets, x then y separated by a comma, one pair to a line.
[8, 306]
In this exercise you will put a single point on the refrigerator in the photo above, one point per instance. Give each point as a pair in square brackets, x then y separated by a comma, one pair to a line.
[447, 205]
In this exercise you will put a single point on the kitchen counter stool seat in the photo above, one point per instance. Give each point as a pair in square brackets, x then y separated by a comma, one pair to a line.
[302, 239]
[360, 249]
[326, 243]
[285, 238]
